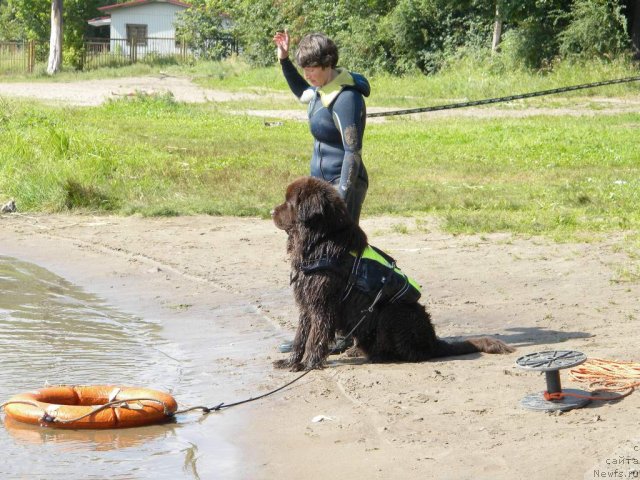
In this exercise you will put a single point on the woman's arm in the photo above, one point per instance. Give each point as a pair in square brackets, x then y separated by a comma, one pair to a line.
[349, 117]
[296, 82]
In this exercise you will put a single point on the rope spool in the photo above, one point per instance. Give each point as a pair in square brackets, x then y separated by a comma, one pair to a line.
[604, 376]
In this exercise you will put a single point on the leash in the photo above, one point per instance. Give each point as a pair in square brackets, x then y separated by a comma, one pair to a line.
[222, 405]
[366, 313]
[487, 101]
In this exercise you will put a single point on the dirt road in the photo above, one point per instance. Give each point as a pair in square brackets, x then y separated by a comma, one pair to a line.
[95, 92]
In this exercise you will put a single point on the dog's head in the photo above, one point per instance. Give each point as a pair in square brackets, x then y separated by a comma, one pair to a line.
[313, 204]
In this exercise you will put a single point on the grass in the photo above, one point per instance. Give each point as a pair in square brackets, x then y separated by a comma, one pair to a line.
[533, 175]
[461, 81]
[559, 176]
[466, 80]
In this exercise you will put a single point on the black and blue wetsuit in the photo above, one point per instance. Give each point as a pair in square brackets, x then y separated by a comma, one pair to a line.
[337, 118]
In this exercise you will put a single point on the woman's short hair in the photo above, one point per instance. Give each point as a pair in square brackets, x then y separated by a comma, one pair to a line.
[317, 50]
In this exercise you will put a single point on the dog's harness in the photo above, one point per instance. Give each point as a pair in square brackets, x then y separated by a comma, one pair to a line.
[372, 272]
[375, 272]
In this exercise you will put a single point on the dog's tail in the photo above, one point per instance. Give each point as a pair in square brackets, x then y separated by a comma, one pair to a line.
[471, 345]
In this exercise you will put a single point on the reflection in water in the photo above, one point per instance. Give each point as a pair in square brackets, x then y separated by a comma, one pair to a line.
[100, 440]
[51, 332]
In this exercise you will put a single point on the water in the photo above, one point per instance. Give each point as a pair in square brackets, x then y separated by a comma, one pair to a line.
[52, 332]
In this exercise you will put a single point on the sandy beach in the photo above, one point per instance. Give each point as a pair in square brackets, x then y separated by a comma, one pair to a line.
[457, 418]
[452, 418]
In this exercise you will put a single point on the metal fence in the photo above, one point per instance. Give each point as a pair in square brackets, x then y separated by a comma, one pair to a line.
[17, 57]
[21, 56]
[120, 51]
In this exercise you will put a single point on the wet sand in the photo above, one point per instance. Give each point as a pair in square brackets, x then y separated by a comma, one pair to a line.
[220, 288]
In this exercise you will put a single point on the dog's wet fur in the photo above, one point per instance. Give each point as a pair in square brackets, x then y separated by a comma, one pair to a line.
[317, 223]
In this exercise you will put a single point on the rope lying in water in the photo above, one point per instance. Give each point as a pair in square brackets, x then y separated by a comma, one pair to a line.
[509, 98]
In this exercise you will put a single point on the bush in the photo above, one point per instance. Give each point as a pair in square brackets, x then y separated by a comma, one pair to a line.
[532, 45]
[597, 28]
[202, 29]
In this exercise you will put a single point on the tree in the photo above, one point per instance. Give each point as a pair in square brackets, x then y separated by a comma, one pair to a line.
[633, 7]
[31, 20]
[373, 35]
[55, 41]
[24, 19]
[530, 30]
[497, 30]
[596, 28]
[76, 28]
[202, 28]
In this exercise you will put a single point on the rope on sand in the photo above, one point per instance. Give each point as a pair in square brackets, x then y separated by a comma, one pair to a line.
[609, 376]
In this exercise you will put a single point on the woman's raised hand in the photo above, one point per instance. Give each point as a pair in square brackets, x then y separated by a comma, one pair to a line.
[281, 39]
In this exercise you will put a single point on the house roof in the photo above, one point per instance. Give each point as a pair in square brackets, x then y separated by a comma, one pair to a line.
[100, 21]
[136, 3]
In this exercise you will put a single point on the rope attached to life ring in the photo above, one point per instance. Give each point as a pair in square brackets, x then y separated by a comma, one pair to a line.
[48, 418]
[608, 376]
[205, 410]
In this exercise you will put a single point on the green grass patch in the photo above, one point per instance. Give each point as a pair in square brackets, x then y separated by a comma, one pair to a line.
[149, 155]
[539, 175]
[466, 79]
[560, 176]
[462, 80]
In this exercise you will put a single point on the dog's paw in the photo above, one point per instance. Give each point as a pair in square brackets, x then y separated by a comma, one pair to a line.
[353, 352]
[289, 365]
[500, 347]
[313, 365]
[282, 364]
[492, 345]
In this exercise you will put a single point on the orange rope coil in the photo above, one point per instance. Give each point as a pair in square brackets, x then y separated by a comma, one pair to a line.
[608, 375]
[620, 378]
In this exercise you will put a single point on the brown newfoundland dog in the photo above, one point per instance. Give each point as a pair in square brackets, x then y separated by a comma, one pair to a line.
[325, 246]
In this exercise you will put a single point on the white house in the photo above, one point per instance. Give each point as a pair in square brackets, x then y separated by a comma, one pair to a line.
[149, 24]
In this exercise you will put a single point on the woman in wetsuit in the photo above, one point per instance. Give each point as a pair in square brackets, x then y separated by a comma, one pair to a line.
[337, 113]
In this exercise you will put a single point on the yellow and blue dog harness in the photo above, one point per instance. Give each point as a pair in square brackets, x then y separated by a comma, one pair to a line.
[372, 272]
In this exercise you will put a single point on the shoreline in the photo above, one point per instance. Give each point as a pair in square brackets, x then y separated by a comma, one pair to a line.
[452, 418]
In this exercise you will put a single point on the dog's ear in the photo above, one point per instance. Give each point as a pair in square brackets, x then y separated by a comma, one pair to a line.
[311, 207]
[320, 207]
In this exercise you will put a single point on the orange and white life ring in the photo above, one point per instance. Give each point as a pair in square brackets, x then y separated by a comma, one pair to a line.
[91, 406]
